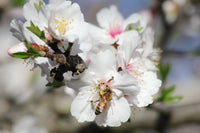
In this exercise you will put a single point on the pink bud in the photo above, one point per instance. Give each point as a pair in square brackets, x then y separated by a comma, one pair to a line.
[17, 48]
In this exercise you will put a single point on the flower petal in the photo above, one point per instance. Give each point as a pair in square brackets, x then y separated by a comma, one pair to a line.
[128, 41]
[135, 21]
[118, 112]
[17, 29]
[81, 108]
[124, 82]
[17, 48]
[107, 16]
[103, 62]
[144, 99]
[150, 82]
[148, 38]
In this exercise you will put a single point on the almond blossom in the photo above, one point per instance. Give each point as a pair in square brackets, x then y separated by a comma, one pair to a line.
[102, 73]
[137, 62]
[113, 26]
[54, 29]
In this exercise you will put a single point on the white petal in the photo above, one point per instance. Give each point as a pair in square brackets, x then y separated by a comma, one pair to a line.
[67, 76]
[148, 38]
[124, 82]
[103, 62]
[56, 1]
[128, 41]
[120, 59]
[149, 64]
[30, 11]
[117, 92]
[44, 65]
[136, 21]
[70, 91]
[71, 22]
[144, 99]
[107, 16]
[17, 29]
[150, 83]
[31, 37]
[118, 112]
[17, 48]
[81, 108]
[99, 36]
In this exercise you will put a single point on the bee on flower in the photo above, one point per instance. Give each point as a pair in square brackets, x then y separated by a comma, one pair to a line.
[107, 70]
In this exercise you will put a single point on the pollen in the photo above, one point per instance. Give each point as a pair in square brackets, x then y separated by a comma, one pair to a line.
[63, 24]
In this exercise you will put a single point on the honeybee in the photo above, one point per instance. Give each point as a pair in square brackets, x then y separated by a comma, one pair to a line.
[105, 97]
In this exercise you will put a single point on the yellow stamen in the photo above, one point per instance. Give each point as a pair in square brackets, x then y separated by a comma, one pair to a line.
[61, 25]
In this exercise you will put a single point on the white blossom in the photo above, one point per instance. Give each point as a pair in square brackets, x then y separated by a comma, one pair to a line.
[113, 26]
[102, 72]
[141, 68]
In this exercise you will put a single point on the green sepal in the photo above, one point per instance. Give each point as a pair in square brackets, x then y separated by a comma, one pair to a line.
[22, 55]
[164, 71]
[35, 30]
[32, 52]
[31, 49]
[139, 29]
[38, 5]
[55, 84]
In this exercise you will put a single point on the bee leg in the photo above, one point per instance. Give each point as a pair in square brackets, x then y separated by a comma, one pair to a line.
[93, 101]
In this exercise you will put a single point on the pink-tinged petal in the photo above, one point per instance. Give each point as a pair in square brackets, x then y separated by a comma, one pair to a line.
[114, 30]
[17, 48]
[99, 36]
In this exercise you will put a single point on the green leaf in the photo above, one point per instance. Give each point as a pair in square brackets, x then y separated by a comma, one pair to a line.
[31, 49]
[55, 84]
[164, 71]
[166, 93]
[18, 3]
[22, 55]
[139, 29]
[34, 29]
[173, 99]
[166, 96]
[38, 5]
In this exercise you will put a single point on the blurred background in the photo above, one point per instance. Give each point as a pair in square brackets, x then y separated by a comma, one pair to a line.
[27, 106]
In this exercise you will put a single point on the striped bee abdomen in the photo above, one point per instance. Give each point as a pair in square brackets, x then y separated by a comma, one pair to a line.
[100, 107]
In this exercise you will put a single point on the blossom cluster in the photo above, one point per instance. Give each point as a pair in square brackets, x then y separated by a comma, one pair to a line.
[107, 68]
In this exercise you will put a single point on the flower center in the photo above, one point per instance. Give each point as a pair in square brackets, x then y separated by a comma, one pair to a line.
[134, 70]
[114, 30]
[103, 86]
[62, 25]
